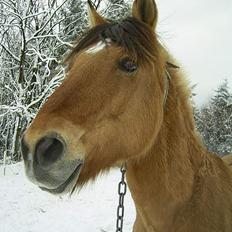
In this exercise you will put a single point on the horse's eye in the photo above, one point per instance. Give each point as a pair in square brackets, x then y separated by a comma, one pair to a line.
[127, 65]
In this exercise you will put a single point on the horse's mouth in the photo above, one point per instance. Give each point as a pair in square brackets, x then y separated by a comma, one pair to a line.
[68, 185]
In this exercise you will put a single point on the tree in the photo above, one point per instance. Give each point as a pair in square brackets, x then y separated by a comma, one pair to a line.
[116, 9]
[30, 66]
[214, 121]
[34, 35]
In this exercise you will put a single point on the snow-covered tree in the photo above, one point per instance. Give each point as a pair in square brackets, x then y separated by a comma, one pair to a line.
[214, 121]
[30, 68]
[34, 35]
[116, 9]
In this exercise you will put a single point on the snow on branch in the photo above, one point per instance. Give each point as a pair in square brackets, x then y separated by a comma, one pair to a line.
[55, 36]
[49, 19]
[9, 52]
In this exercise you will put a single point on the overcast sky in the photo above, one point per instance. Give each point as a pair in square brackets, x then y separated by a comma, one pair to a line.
[199, 34]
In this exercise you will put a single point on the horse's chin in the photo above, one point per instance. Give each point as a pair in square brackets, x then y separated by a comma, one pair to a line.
[68, 186]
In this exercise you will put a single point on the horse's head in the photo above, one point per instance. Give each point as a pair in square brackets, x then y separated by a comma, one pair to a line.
[108, 110]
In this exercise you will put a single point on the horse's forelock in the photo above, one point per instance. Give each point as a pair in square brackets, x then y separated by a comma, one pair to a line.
[138, 40]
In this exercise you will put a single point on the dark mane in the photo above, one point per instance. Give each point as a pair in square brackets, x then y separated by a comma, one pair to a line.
[138, 40]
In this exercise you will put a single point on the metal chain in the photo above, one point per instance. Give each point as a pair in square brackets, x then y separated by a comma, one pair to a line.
[122, 187]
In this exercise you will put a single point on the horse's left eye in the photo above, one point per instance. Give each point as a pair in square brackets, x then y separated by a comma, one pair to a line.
[127, 65]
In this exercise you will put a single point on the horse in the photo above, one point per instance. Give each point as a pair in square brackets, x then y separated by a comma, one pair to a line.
[123, 101]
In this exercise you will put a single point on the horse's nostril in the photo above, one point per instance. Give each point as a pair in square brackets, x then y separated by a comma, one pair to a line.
[48, 151]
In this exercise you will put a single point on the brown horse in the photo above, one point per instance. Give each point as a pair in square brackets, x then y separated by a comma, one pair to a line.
[123, 101]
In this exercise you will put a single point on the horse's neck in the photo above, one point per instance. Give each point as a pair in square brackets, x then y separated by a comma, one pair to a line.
[161, 181]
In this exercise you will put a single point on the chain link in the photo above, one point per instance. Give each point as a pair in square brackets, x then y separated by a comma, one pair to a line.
[122, 187]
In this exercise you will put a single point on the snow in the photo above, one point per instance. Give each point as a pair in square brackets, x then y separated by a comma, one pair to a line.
[25, 208]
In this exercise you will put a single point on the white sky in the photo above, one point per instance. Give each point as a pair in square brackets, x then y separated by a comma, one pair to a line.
[199, 35]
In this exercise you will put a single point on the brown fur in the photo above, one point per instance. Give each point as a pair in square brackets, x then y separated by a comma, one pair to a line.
[114, 117]
[227, 159]
[94, 17]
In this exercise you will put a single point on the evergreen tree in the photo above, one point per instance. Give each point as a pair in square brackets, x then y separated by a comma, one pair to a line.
[214, 121]
[221, 107]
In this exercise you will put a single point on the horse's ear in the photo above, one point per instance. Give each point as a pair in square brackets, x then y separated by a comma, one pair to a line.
[94, 18]
[145, 11]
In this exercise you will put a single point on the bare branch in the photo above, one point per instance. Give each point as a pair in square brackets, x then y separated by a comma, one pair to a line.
[10, 53]
[34, 15]
[46, 23]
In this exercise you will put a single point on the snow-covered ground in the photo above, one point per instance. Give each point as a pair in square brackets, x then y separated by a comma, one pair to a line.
[25, 208]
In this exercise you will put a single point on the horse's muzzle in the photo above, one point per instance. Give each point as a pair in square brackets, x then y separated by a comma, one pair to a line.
[48, 166]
